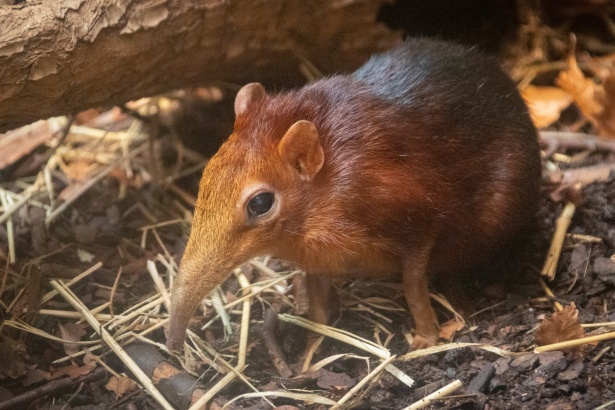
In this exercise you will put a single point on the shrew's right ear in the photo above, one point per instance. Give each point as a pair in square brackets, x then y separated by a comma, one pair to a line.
[248, 95]
[301, 147]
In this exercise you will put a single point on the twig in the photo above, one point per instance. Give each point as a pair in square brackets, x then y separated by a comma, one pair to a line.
[130, 336]
[338, 334]
[188, 171]
[582, 176]
[575, 140]
[49, 295]
[24, 327]
[115, 346]
[216, 299]
[245, 319]
[113, 289]
[331, 359]
[438, 394]
[267, 333]
[451, 346]
[158, 282]
[259, 290]
[24, 399]
[107, 135]
[401, 376]
[243, 343]
[189, 199]
[363, 382]
[584, 238]
[89, 184]
[226, 364]
[306, 397]
[125, 317]
[25, 197]
[102, 317]
[6, 201]
[605, 405]
[550, 294]
[80, 191]
[204, 399]
[575, 342]
[561, 226]
[600, 354]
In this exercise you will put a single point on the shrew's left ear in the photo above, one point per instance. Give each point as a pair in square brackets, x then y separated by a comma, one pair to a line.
[301, 147]
[248, 95]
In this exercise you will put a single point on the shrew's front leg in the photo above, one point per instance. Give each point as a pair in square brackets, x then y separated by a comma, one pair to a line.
[324, 306]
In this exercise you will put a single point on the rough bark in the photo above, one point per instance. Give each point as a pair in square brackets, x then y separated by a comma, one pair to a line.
[59, 57]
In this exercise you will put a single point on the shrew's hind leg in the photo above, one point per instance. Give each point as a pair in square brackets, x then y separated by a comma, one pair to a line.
[416, 291]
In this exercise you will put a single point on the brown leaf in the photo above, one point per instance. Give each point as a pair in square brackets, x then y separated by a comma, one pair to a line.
[560, 327]
[73, 371]
[606, 125]
[328, 380]
[11, 364]
[86, 116]
[119, 174]
[448, 329]
[20, 142]
[164, 370]
[71, 332]
[588, 95]
[79, 169]
[90, 359]
[120, 386]
[545, 103]
[35, 376]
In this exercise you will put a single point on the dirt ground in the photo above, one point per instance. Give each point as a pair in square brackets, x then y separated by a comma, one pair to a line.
[123, 223]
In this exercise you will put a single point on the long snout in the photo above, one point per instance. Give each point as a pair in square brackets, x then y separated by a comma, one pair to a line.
[184, 302]
[193, 283]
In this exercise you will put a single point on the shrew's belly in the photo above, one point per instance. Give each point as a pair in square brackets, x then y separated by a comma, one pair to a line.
[367, 262]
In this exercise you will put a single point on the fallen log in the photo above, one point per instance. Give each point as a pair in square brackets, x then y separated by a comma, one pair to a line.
[62, 57]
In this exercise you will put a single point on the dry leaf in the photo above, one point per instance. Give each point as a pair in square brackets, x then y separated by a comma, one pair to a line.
[35, 376]
[545, 103]
[86, 116]
[113, 118]
[80, 169]
[11, 363]
[120, 386]
[120, 175]
[90, 359]
[560, 327]
[448, 329]
[18, 143]
[71, 332]
[328, 380]
[606, 125]
[588, 95]
[73, 371]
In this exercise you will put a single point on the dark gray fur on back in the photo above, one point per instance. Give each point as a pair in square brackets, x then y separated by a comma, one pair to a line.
[419, 74]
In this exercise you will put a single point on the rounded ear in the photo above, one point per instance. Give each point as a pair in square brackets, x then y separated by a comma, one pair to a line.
[249, 94]
[300, 146]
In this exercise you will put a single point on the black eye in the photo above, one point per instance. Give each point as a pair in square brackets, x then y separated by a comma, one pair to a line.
[260, 204]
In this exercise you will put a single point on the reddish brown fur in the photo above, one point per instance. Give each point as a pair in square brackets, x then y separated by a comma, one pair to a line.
[428, 183]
